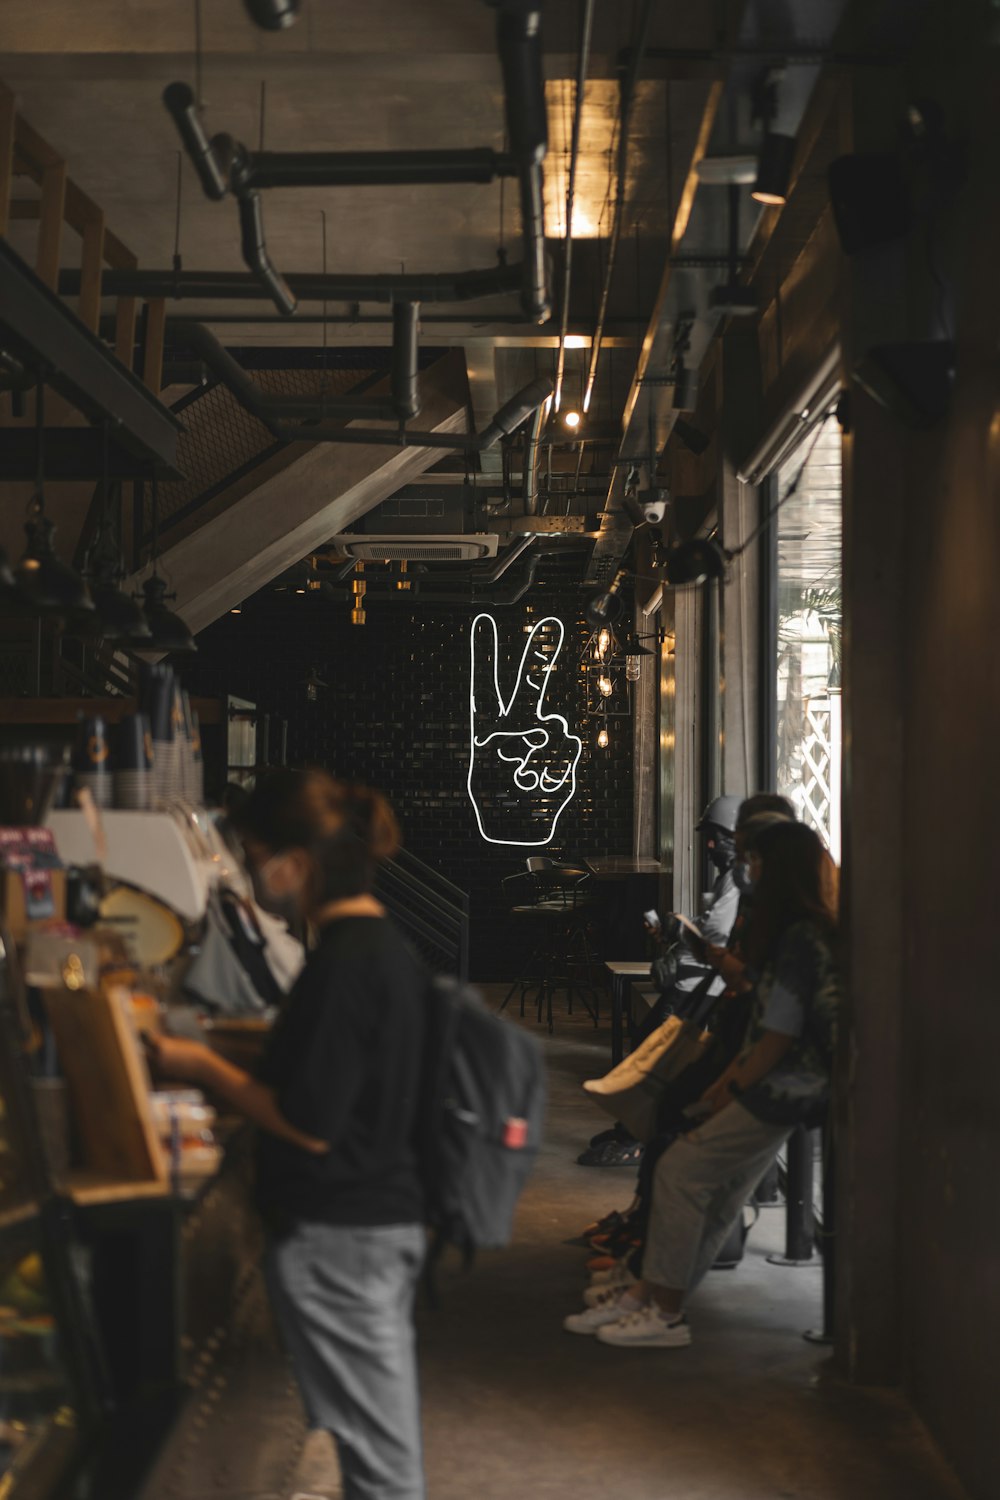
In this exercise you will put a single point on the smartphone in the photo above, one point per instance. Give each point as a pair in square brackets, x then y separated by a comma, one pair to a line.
[652, 919]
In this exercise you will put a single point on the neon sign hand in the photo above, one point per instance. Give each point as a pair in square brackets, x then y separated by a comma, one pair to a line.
[522, 761]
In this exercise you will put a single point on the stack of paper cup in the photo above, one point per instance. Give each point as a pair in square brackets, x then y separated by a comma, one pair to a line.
[92, 760]
[197, 763]
[134, 764]
[157, 703]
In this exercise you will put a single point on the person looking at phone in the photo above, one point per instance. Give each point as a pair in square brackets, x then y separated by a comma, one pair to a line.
[780, 1080]
[336, 1100]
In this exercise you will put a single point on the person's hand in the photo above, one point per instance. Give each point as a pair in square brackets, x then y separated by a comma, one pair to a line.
[522, 767]
[731, 968]
[718, 1096]
[176, 1057]
[714, 955]
[653, 928]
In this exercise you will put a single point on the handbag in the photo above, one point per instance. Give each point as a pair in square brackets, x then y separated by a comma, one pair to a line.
[633, 1091]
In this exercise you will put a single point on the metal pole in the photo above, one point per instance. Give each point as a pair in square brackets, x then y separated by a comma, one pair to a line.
[800, 1224]
[574, 153]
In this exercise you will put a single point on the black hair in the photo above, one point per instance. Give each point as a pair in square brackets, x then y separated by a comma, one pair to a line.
[795, 885]
[759, 802]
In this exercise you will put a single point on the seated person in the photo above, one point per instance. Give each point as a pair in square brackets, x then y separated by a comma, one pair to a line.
[780, 1080]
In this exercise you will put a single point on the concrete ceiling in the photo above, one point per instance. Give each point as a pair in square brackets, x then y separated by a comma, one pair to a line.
[394, 74]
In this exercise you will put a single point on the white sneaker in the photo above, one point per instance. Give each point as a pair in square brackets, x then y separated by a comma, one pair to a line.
[604, 1309]
[616, 1280]
[646, 1329]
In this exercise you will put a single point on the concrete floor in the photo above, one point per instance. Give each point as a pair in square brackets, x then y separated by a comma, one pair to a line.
[513, 1406]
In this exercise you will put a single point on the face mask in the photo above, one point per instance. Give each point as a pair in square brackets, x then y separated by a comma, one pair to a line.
[285, 905]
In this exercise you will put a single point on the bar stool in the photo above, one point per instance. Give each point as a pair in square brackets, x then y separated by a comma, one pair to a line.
[554, 901]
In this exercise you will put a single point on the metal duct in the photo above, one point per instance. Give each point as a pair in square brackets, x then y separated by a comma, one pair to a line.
[519, 43]
[404, 402]
[240, 286]
[225, 165]
[278, 413]
[532, 458]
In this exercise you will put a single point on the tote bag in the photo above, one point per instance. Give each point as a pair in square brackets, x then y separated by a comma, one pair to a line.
[633, 1091]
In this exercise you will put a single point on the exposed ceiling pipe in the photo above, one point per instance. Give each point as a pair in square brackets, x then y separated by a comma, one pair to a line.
[224, 165]
[278, 413]
[583, 64]
[502, 424]
[402, 403]
[532, 458]
[519, 43]
[241, 286]
[625, 120]
[516, 588]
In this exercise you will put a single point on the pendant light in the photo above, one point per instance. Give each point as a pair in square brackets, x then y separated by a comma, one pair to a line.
[168, 630]
[44, 582]
[119, 616]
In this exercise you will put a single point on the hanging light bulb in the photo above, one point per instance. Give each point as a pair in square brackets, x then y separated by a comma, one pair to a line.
[42, 580]
[602, 737]
[169, 631]
[605, 686]
[119, 617]
[632, 668]
[604, 645]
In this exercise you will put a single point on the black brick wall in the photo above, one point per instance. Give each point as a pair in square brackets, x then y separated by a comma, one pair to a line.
[396, 715]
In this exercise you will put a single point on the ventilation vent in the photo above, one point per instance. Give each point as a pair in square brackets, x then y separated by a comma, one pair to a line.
[417, 548]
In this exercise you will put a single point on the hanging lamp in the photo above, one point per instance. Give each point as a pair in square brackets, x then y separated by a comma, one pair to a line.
[169, 631]
[119, 616]
[44, 582]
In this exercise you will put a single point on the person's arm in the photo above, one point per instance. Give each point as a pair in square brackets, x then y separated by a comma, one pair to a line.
[755, 1064]
[174, 1057]
[732, 969]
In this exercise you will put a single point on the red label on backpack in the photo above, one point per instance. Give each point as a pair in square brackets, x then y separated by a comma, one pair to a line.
[515, 1134]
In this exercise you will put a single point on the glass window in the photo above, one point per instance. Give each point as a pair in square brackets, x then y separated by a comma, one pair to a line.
[809, 609]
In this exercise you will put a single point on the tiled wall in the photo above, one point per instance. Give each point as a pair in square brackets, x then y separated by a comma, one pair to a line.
[396, 714]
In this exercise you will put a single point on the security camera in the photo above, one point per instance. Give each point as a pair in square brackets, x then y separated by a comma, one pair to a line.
[654, 506]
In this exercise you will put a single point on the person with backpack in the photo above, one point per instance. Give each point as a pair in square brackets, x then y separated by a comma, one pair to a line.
[780, 1080]
[338, 1098]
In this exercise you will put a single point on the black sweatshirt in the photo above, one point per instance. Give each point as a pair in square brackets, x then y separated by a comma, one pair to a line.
[344, 1060]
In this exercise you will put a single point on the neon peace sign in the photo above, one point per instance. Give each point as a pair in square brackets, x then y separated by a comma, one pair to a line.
[522, 760]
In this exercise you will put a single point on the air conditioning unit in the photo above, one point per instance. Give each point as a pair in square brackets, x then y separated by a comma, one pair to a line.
[431, 548]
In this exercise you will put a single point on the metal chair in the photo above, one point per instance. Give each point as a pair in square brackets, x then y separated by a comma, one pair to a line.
[554, 899]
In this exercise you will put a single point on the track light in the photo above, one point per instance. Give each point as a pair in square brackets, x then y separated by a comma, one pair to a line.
[774, 168]
[695, 562]
[273, 15]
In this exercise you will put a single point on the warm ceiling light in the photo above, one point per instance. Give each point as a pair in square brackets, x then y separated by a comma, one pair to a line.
[577, 341]
[774, 168]
[235, 611]
[606, 686]
[572, 418]
[602, 739]
[300, 591]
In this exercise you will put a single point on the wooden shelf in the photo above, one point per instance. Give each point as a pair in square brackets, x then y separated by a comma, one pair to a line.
[88, 1189]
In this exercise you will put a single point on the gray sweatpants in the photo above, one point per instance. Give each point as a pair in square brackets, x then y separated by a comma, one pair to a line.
[700, 1185]
[343, 1299]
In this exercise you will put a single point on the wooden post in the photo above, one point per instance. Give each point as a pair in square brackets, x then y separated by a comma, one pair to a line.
[8, 114]
[91, 266]
[156, 325]
[50, 223]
